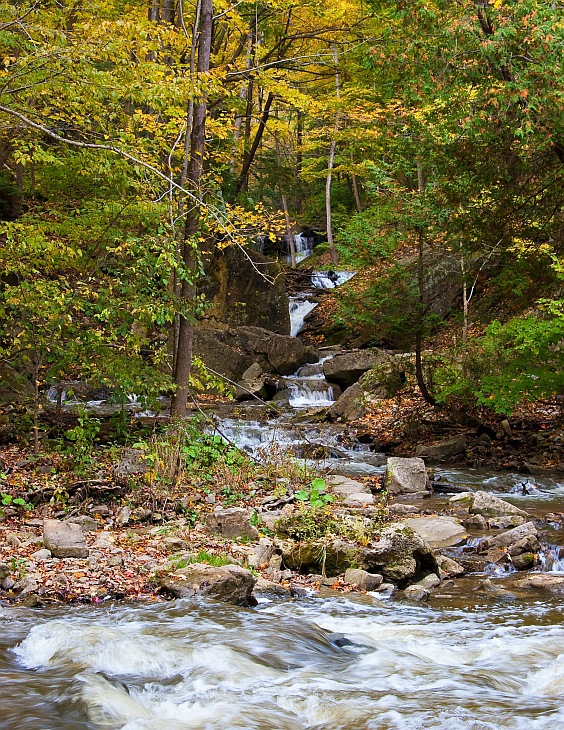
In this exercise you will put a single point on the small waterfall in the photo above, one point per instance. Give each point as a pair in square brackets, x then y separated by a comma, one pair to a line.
[299, 308]
[304, 247]
[303, 396]
[552, 559]
[330, 279]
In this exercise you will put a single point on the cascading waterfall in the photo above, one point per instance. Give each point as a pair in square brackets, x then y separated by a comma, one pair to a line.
[303, 245]
[299, 309]
[330, 279]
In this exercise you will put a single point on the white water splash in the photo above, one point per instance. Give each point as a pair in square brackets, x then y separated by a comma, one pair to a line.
[299, 309]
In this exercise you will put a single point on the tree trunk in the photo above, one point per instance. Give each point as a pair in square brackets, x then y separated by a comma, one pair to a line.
[420, 376]
[242, 182]
[356, 194]
[289, 235]
[330, 163]
[189, 252]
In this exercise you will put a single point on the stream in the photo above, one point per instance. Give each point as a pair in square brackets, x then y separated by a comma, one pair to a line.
[467, 660]
[330, 663]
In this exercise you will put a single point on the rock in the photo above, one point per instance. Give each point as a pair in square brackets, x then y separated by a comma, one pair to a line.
[441, 450]
[344, 486]
[406, 476]
[524, 561]
[8, 583]
[552, 582]
[269, 590]
[363, 580]
[506, 522]
[430, 581]
[385, 379]
[174, 544]
[41, 555]
[475, 522]
[483, 503]
[114, 561]
[350, 406]
[240, 295]
[345, 368]
[252, 384]
[438, 532]
[132, 463]
[522, 539]
[331, 556]
[401, 510]
[104, 540]
[400, 555]
[4, 571]
[416, 593]
[124, 515]
[359, 500]
[87, 524]
[461, 498]
[231, 352]
[228, 583]
[448, 566]
[261, 554]
[13, 540]
[231, 523]
[24, 586]
[64, 539]
[100, 509]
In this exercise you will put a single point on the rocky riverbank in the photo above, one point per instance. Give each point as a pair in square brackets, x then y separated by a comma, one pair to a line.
[407, 542]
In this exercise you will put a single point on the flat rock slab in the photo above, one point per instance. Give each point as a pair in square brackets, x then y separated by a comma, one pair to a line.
[544, 581]
[344, 486]
[228, 583]
[438, 532]
[359, 499]
[64, 539]
[483, 503]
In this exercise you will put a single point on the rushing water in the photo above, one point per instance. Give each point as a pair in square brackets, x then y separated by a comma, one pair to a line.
[315, 663]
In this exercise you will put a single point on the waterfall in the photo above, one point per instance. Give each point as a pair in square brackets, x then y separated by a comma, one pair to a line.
[299, 308]
[330, 279]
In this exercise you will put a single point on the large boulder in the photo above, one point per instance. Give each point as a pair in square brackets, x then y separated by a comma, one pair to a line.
[64, 539]
[438, 532]
[313, 556]
[441, 450]
[523, 538]
[400, 555]
[345, 368]
[386, 378]
[228, 583]
[232, 522]
[231, 352]
[350, 406]
[245, 288]
[406, 476]
[483, 503]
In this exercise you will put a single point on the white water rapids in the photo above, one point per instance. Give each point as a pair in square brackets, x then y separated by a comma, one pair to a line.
[327, 664]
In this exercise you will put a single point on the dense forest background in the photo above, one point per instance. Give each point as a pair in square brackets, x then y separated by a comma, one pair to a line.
[425, 140]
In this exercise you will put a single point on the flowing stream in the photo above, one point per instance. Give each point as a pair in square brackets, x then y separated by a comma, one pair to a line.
[467, 661]
[324, 663]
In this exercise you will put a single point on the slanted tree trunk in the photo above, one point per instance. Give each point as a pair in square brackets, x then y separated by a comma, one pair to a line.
[243, 180]
[330, 164]
[423, 306]
[192, 220]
